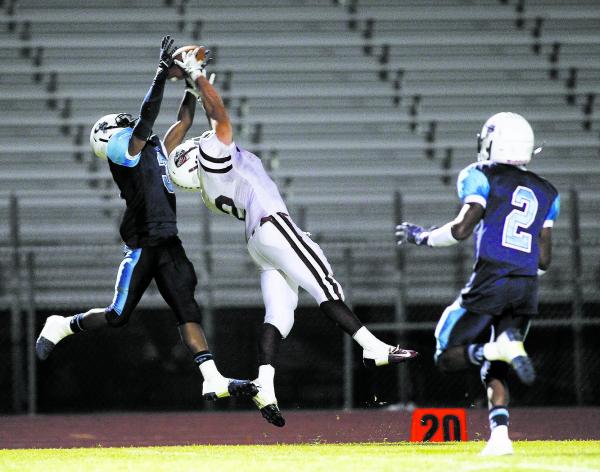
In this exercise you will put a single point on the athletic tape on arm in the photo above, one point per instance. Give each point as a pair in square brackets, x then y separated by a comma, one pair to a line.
[442, 237]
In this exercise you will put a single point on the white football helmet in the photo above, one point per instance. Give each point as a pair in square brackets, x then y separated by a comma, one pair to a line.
[104, 128]
[182, 165]
[507, 138]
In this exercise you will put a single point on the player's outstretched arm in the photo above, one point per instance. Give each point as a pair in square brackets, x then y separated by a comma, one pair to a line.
[185, 118]
[215, 110]
[211, 100]
[153, 99]
[451, 233]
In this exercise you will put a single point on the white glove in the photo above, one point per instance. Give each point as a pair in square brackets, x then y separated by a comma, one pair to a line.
[190, 87]
[191, 66]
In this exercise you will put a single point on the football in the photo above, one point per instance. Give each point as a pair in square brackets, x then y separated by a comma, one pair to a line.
[175, 72]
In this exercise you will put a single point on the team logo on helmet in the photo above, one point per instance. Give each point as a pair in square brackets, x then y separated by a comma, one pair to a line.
[182, 156]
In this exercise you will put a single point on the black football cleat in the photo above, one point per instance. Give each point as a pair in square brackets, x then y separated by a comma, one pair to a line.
[272, 414]
[224, 387]
[266, 403]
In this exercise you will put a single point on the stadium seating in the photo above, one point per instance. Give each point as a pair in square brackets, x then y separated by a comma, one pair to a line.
[347, 102]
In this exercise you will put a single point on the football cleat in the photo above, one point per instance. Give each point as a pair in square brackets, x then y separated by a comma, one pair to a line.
[223, 387]
[509, 348]
[55, 329]
[499, 443]
[391, 355]
[266, 403]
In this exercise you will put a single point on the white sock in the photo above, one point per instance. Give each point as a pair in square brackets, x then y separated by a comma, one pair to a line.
[367, 340]
[266, 374]
[209, 370]
[490, 351]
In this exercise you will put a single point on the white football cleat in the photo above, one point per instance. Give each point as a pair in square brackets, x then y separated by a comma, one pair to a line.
[499, 443]
[55, 329]
[509, 348]
[387, 355]
[222, 387]
[266, 402]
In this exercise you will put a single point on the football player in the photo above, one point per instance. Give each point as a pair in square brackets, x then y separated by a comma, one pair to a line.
[512, 211]
[137, 159]
[234, 182]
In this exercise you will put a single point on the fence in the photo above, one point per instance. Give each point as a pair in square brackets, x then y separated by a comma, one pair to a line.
[568, 312]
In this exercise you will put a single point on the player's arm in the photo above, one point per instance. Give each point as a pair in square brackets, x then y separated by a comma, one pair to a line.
[545, 243]
[211, 100]
[451, 233]
[185, 118]
[215, 110]
[545, 239]
[153, 99]
[473, 190]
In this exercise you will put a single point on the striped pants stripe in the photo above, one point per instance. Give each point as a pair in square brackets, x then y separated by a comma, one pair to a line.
[280, 245]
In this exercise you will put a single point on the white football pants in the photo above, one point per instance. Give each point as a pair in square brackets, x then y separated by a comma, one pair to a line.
[288, 258]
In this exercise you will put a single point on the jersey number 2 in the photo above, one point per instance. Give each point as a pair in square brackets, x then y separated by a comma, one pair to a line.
[518, 220]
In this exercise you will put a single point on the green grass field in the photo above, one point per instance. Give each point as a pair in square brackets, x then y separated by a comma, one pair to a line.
[559, 456]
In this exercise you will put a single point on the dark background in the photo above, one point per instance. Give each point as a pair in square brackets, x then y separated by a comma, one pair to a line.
[144, 365]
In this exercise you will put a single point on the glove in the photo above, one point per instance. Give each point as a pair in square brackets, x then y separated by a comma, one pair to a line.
[191, 66]
[167, 48]
[407, 232]
[190, 87]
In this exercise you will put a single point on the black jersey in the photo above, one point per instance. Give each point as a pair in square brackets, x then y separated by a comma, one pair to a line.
[150, 216]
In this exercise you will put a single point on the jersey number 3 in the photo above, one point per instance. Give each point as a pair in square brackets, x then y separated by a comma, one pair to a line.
[518, 220]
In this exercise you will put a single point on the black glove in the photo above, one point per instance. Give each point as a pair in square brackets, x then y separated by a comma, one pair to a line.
[167, 48]
[153, 99]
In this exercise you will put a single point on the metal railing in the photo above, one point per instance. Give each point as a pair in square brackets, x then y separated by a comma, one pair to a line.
[22, 302]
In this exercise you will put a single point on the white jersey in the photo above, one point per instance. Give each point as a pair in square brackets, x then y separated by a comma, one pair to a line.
[234, 181]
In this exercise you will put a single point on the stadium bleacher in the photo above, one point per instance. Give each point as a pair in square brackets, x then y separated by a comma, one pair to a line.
[347, 102]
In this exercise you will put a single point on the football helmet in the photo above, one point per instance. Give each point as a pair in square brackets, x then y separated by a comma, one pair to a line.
[182, 165]
[105, 127]
[507, 138]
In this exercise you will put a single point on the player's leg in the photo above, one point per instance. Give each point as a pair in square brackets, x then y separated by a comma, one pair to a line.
[456, 334]
[493, 376]
[519, 294]
[176, 281]
[511, 329]
[290, 250]
[133, 278]
[280, 296]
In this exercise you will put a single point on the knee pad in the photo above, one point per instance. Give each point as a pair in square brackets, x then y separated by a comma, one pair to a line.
[115, 319]
[283, 321]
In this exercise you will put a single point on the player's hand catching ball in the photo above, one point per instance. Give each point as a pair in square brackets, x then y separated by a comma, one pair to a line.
[167, 48]
[191, 65]
[409, 233]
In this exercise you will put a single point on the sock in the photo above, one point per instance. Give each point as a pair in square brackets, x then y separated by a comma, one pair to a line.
[266, 374]
[338, 312]
[367, 340]
[208, 368]
[490, 351]
[475, 354]
[75, 323]
[498, 417]
[268, 345]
